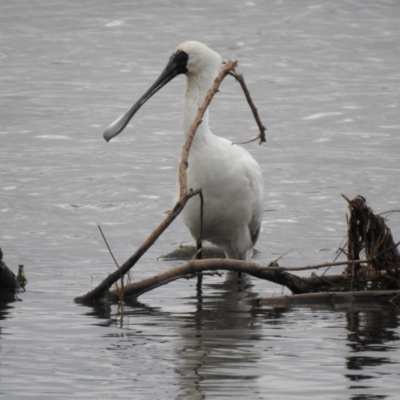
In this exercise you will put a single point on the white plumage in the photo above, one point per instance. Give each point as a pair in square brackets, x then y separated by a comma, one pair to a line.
[230, 179]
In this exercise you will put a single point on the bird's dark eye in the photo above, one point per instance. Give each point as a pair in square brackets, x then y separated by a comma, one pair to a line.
[181, 57]
[179, 61]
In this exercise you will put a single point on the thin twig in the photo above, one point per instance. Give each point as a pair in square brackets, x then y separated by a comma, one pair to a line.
[389, 212]
[199, 254]
[346, 198]
[261, 127]
[388, 249]
[394, 301]
[282, 255]
[122, 289]
[108, 247]
[317, 266]
[201, 214]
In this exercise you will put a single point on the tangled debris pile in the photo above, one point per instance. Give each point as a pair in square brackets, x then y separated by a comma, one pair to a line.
[373, 280]
[368, 234]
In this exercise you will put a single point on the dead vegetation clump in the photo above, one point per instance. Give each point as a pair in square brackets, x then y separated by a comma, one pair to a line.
[369, 238]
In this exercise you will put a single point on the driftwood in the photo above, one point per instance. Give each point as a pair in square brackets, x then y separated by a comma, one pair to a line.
[368, 298]
[193, 267]
[278, 275]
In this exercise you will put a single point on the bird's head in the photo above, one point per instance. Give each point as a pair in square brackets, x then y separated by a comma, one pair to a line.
[190, 58]
[201, 60]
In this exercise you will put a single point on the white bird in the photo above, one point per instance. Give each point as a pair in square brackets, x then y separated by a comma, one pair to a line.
[230, 179]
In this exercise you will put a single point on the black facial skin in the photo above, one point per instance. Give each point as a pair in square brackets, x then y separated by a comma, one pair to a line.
[177, 65]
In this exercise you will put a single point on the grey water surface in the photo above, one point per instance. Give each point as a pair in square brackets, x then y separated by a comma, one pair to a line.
[325, 78]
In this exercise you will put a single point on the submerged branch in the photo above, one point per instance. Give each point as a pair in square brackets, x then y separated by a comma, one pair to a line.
[193, 267]
[276, 275]
[323, 265]
[366, 298]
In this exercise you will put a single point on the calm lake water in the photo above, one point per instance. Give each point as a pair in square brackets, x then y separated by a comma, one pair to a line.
[325, 78]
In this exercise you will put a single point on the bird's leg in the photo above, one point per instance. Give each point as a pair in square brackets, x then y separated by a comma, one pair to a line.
[199, 243]
[199, 246]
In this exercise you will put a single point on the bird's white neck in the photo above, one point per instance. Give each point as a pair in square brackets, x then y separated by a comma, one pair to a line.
[195, 93]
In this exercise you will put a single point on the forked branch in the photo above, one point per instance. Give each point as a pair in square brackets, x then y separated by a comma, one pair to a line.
[280, 276]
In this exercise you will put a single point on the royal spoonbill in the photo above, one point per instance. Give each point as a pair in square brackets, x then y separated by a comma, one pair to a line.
[230, 179]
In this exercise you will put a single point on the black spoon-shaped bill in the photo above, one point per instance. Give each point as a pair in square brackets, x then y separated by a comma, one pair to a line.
[176, 66]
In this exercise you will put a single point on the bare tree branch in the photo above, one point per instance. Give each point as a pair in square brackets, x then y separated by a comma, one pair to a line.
[192, 267]
[261, 127]
[277, 275]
